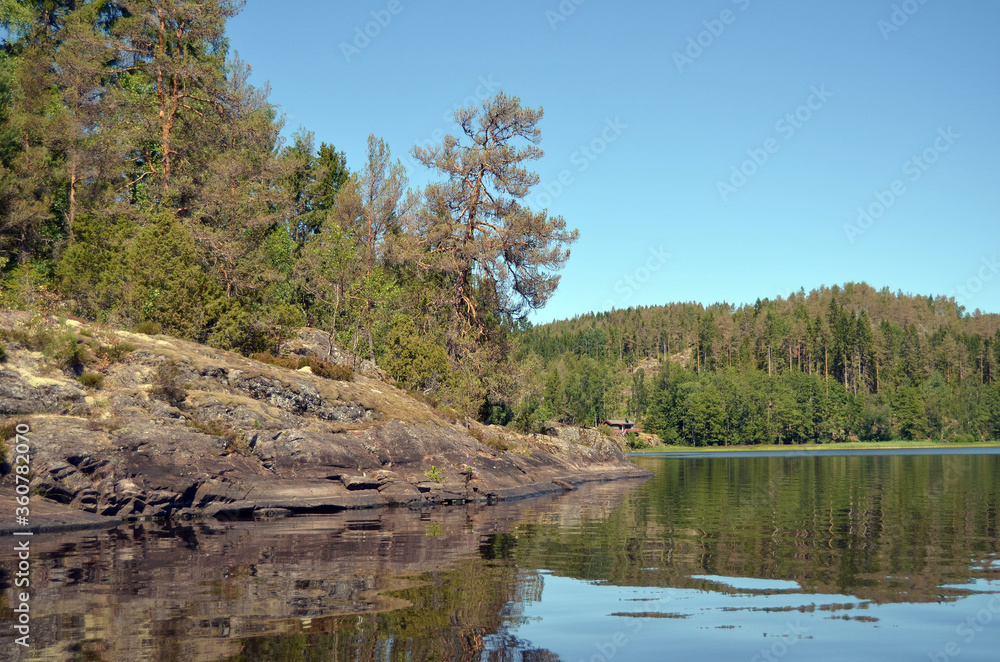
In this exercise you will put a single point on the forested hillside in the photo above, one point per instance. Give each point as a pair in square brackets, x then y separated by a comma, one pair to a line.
[830, 365]
[144, 182]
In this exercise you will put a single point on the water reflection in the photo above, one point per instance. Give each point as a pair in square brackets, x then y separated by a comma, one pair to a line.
[867, 557]
[244, 590]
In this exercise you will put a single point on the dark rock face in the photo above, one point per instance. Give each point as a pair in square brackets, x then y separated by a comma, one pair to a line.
[255, 440]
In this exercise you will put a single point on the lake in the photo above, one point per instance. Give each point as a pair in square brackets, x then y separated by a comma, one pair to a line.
[859, 556]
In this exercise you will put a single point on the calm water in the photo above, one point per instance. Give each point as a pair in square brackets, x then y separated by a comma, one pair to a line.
[853, 557]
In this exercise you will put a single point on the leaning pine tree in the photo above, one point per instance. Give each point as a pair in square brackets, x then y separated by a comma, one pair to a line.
[496, 258]
[500, 257]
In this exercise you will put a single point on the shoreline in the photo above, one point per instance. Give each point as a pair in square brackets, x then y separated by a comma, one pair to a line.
[62, 518]
[887, 447]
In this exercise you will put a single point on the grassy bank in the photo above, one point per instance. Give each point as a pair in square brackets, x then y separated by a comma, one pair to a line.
[848, 445]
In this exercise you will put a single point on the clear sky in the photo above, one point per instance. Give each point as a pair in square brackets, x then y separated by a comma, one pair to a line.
[718, 150]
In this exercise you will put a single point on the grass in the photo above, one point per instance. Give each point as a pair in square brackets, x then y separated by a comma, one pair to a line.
[318, 367]
[220, 428]
[847, 445]
[94, 380]
[489, 440]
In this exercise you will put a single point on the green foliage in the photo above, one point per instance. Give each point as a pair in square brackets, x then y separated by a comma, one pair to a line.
[318, 367]
[434, 473]
[220, 428]
[8, 428]
[149, 328]
[114, 352]
[167, 385]
[3, 352]
[633, 442]
[875, 421]
[412, 359]
[70, 353]
[92, 380]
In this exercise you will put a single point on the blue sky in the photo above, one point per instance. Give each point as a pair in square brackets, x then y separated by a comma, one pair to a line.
[707, 151]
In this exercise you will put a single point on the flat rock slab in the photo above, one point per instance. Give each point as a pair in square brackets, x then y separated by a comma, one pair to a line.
[47, 515]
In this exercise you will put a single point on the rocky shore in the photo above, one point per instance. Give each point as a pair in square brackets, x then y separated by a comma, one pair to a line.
[166, 428]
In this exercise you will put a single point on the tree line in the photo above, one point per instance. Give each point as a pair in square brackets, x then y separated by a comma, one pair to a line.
[145, 180]
[833, 364]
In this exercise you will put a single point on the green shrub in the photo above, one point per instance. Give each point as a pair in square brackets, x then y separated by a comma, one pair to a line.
[220, 428]
[317, 366]
[633, 441]
[114, 352]
[336, 372]
[71, 353]
[8, 429]
[3, 352]
[495, 442]
[34, 336]
[94, 380]
[434, 473]
[167, 386]
[149, 328]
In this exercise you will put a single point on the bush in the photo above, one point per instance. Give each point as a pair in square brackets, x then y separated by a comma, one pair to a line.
[495, 442]
[94, 380]
[34, 336]
[220, 428]
[3, 352]
[8, 429]
[434, 473]
[318, 367]
[149, 328]
[167, 386]
[633, 441]
[340, 373]
[115, 352]
[72, 354]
